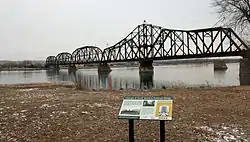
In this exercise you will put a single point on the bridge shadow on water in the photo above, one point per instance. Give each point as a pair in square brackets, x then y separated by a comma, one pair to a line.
[102, 80]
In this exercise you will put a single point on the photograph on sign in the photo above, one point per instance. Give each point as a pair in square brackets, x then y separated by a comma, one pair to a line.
[164, 110]
[149, 103]
[148, 108]
[131, 111]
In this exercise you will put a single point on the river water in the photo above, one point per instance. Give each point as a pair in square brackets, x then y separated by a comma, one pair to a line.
[185, 75]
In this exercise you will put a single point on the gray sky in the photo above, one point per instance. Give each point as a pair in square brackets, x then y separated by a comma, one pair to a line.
[35, 29]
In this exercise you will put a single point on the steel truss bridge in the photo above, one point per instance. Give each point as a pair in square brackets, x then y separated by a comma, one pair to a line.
[150, 42]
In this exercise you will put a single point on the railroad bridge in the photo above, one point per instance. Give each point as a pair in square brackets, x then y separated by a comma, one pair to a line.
[148, 42]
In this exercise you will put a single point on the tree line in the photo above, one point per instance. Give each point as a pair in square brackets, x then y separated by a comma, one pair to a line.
[22, 64]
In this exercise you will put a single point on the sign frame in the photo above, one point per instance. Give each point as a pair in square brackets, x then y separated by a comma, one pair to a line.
[142, 105]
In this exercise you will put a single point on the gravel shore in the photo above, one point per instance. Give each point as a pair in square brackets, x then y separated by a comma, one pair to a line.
[61, 113]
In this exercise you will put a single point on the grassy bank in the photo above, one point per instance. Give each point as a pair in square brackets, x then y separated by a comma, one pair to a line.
[59, 113]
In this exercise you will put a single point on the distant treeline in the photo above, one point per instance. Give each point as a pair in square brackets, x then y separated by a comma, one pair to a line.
[21, 64]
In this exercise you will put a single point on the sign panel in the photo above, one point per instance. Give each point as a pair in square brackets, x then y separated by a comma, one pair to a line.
[146, 107]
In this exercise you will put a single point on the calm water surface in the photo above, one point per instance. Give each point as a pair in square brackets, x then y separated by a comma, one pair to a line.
[125, 78]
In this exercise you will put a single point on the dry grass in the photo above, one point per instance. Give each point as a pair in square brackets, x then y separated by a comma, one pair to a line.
[65, 114]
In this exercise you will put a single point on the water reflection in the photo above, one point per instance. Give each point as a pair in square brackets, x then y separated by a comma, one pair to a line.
[129, 78]
[162, 78]
[52, 75]
[102, 80]
[27, 74]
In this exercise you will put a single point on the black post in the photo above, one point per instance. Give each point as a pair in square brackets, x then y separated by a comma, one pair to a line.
[162, 131]
[131, 130]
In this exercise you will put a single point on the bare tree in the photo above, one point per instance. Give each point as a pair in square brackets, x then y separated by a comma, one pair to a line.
[234, 14]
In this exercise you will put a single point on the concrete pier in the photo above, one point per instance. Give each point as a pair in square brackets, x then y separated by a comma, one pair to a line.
[72, 68]
[104, 68]
[146, 80]
[244, 68]
[220, 65]
[53, 67]
[244, 71]
[104, 79]
[146, 66]
[146, 73]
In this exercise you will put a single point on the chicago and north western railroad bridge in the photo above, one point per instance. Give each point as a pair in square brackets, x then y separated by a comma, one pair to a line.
[148, 42]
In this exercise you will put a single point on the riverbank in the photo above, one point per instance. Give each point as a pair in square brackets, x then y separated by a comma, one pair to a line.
[61, 113]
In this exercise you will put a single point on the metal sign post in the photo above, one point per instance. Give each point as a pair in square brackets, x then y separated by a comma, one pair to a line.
[162, 131]
[131, 130]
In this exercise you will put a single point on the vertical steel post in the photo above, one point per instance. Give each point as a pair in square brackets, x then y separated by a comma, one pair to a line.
[162, 131]
[131, 130]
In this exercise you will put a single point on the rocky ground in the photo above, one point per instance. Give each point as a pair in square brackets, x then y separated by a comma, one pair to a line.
[60, 113]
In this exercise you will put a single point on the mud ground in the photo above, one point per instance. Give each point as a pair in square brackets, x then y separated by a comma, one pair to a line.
[61, 113]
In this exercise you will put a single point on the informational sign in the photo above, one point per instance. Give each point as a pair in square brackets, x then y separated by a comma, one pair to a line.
[146, 107]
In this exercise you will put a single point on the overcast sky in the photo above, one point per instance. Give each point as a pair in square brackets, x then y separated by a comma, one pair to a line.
[35, 29]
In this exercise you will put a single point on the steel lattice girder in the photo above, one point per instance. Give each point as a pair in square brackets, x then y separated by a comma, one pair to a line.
[87, 54]
[50, 60]
[153, 42]
[64, 58]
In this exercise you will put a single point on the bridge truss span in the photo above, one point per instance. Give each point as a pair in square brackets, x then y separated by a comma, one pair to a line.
[50, 60]
[87, 54]
[155, 43]
[64, 58]
[130, 48]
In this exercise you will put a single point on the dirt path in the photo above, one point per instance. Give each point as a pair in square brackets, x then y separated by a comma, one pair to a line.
[63, 114]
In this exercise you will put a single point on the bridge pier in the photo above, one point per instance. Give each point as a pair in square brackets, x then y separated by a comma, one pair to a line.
[245, 71]
[72, 68]
[220, 65]
[146, 73]
[146, 80]
[146, 66]
[104, 79]
[53, 67]
[104, 68]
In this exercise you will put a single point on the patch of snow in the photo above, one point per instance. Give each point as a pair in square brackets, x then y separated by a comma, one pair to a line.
[45, 106]
[63, 112]
[99, 105]
[89, 105]
[102, 105]
[223, 134]
[31, 89]
[59, 112]
[229, 138]
[85, 112]
[15, 114]
[22, 111]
